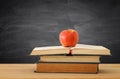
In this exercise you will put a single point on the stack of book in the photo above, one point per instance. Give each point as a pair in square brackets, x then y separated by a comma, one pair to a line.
[79, 59]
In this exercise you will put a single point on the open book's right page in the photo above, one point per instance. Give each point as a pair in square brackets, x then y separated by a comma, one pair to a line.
[90, 50]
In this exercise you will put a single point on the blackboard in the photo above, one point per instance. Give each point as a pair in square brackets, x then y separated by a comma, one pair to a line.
[25, 24]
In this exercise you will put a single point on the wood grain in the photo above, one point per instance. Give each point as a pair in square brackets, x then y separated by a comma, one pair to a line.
[26, 71]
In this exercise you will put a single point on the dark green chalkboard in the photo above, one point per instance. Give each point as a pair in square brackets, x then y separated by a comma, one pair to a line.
[25, 24]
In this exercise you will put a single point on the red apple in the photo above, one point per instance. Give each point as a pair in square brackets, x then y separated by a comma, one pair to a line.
[69, 37]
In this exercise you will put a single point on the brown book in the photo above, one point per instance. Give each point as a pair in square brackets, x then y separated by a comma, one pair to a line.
[79, 49]
[44, 67]
[89, 59]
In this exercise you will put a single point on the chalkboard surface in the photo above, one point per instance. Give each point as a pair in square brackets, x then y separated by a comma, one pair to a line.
[25, 24]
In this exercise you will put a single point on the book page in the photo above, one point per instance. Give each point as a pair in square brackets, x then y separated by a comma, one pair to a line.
[49, 50]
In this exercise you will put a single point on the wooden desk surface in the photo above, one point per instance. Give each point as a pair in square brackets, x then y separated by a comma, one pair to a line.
[25, 71]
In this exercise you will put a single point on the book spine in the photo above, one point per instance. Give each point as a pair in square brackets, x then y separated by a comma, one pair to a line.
[67, 67]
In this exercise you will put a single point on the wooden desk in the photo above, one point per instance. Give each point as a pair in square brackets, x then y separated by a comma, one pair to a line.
[25, 71]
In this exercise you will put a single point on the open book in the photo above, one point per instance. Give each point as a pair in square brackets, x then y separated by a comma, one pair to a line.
[79, 49]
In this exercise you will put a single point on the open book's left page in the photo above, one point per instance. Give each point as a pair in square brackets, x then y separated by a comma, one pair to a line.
[50, 50]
